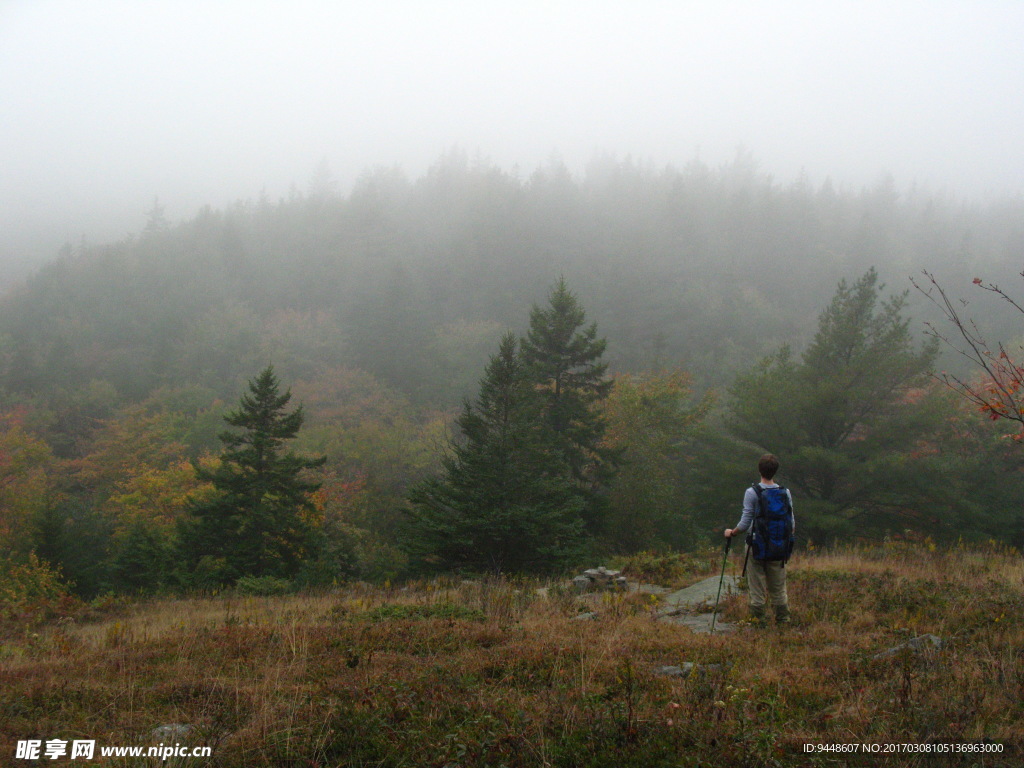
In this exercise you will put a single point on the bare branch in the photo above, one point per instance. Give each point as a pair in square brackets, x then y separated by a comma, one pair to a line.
[1001, 393]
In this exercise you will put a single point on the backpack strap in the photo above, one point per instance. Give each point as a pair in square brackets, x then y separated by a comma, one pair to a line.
[758, 514]
[759, 510]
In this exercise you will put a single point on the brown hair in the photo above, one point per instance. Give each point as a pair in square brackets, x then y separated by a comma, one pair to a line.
[768, 466]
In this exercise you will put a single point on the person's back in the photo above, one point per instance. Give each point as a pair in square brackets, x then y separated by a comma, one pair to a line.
[768, 516]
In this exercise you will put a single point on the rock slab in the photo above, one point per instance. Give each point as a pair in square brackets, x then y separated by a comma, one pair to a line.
[703, 592]
[679, 604]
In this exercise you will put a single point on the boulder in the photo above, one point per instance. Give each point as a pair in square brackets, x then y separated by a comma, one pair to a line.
[582, 583]
[600, 578]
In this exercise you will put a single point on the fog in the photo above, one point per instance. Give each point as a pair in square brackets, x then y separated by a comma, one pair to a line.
[108, 105]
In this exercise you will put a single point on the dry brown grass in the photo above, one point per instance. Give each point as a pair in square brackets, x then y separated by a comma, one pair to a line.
[453, 673]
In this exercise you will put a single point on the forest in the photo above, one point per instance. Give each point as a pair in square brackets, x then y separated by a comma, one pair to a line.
[403, 335]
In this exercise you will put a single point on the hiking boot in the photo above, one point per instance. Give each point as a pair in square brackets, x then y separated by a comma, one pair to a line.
[782, 614]
[757, 615]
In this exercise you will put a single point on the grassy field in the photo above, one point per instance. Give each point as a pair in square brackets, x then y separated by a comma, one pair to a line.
[496, 674]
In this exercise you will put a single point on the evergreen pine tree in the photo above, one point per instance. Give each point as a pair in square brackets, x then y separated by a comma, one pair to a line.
[848, 416]
[142, 559]
[503, 503]
[563, 360]
[253, 523]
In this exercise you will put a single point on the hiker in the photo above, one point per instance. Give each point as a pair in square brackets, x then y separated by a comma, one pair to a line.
[768, 515]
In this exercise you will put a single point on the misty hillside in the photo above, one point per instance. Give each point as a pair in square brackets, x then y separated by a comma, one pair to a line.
[414, 281]
[379, 310]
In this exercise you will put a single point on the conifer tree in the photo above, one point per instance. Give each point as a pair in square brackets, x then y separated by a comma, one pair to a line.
[562, 357]
[848, 416]
[253, 522]
[502, 503]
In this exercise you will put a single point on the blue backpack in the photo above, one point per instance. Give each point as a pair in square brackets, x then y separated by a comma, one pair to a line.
[771, 534]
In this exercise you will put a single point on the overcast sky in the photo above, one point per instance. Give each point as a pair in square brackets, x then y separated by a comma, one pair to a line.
[105, 105]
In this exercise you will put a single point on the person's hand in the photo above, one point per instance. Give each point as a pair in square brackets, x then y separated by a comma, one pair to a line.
[728, 533]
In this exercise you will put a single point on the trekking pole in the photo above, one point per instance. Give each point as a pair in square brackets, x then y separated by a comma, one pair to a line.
[714, 616]
[746, 557]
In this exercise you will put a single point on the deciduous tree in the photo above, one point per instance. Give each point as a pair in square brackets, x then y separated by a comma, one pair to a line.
[648, 416]
[25, 484]
[999, 393]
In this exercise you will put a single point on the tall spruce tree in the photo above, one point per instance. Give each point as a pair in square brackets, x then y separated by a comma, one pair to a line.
[562, 357]
[848, 417]
[253, 522]
[503, 503]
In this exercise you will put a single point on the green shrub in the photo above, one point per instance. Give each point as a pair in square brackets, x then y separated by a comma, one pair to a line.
[31, 589]
[658, 567]
[263, 586]
[450, 611]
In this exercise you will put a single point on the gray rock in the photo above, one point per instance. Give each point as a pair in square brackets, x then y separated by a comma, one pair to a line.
[582, 583]
[703, 591]
[700, 623]
[585, 617]
[688, 668]
[673, 671]
[916, 645]
[600, 578]
[927, 642]
[172, 732]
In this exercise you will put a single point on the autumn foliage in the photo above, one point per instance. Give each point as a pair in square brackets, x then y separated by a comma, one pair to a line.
[998, 389]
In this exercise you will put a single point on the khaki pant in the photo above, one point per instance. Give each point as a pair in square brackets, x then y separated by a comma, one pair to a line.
[766, 579]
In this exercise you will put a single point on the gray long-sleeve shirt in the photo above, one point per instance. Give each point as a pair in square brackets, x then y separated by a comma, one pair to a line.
[750, 504]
